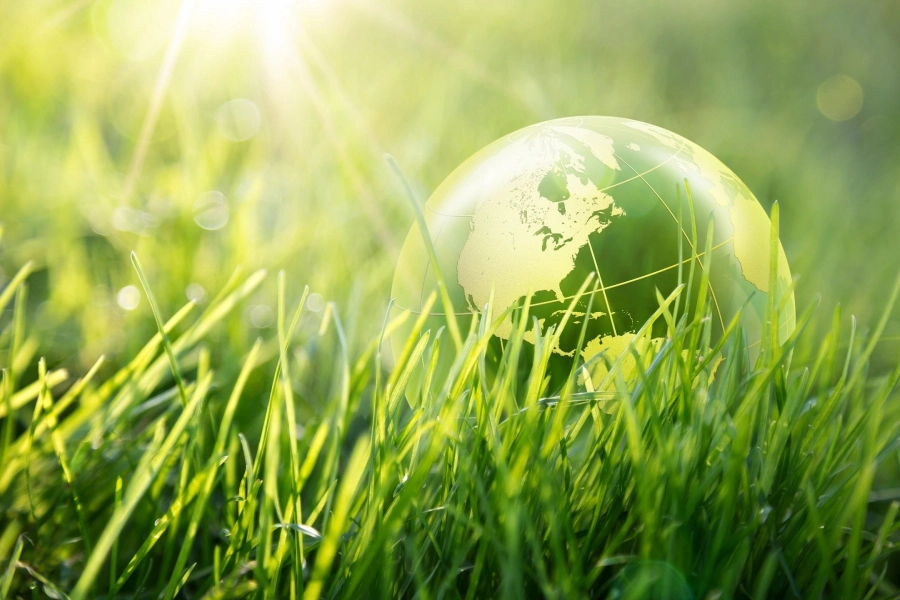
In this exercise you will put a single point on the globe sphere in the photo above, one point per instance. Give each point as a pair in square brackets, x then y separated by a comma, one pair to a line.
[535, 213]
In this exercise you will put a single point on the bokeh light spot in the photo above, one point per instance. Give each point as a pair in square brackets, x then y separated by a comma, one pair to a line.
[195, 292]
[238, 119]
[315, 302]
[129, 297]
[839, 98]
[131, 220]
[261, 316]
[211, 210]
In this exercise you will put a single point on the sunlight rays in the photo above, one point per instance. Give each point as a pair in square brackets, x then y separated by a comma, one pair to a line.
[399, 23]
[295, 72]
[280, 54]
[156, 100]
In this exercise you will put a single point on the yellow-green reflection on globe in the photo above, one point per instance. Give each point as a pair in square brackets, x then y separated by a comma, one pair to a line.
[541, 209]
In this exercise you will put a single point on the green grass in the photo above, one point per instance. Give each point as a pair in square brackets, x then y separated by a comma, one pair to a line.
[264, 446]
[695, 479]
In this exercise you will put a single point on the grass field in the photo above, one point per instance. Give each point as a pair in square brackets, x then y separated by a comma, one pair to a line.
[263, 447]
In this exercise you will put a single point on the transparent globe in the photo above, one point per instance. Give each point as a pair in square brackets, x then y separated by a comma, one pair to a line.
[535, 213]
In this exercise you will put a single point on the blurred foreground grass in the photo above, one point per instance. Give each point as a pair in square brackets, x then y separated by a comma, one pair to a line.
[272, 122]
[253, 137]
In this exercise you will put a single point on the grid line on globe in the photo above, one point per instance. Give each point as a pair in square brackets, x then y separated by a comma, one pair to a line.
[535, 213]
[684, 233]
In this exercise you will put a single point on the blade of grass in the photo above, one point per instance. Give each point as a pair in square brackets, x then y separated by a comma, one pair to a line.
[157, 315]
[449, 309]
[200, 505]
[146, 472]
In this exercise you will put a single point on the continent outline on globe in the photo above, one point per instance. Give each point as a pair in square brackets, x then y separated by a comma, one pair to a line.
[535, 212]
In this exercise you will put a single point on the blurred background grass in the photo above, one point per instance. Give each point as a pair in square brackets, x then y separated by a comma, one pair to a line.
[273, 118]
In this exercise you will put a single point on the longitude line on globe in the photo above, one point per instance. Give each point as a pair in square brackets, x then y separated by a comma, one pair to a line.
[608, 287]
[711, 291]
[641, 175]
[602, 288]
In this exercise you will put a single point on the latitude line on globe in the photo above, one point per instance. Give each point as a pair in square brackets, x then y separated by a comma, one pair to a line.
[609, 287]
[647, 136]
[449, 215]
[609, 187]
[641, 175]
[785, 324]
[684, 234]
[663, 202]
